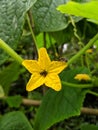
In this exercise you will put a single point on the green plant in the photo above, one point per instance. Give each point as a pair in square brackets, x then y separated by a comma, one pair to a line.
[69, 32]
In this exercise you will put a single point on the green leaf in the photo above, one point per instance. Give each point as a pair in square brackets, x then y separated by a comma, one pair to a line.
[63, 36]
[40, 40]
[89, 127]
[86, 10]
[57, 106]
[12, 17]
[14, 101]
[14, 121]
[1, 92]
[9, 75]
[47, 18]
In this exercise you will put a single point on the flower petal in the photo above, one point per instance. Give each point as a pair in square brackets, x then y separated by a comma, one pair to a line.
[35, 81]
[31, 65]
[53, 81]
[82, 77]
[57, 66]
[44, 59]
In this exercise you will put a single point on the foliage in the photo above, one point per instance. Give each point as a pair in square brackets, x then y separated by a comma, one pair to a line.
[90, 9]
[47, 18]
[12, 16]
[69, 32]
[19, 122]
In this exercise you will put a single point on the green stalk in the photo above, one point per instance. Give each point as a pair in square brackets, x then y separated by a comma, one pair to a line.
[77, 85]
[32, 33]
[90, 43]
[93, 93]
[10, 51]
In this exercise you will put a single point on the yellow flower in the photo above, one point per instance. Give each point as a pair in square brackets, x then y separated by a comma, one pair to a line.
[89, 51]
[44, 71]
[82, 77]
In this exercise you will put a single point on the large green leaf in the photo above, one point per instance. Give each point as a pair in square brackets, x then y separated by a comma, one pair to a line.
[57, 106]
[9, 75]
[86, 10]
[14, 121]
[12, 14]
[63, 36]
[47, 18]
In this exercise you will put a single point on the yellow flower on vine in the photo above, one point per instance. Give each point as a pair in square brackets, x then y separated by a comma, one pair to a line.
[44, 71]
[89, 51]
[80, 77]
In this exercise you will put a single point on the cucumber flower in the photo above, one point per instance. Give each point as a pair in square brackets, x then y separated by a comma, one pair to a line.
[44, 71]
[89, 51]
[80, 77]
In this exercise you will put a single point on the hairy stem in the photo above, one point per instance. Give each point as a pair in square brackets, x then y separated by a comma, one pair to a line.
[10, 51]
[77, 85]
[32, 33]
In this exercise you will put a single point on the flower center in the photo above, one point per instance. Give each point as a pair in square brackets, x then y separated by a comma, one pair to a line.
[44, 73]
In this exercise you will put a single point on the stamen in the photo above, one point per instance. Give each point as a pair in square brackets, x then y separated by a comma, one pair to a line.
[43, 73]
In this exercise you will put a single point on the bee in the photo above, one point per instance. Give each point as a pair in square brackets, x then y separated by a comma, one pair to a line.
[63, 59]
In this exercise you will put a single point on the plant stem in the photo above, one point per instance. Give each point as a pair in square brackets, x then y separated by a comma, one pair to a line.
[32, 33]
[74, 28]
[89, 111]
[93, 93]
[77, 85]
[29, 102]
[10, 51]
[90, 43]
[31, 18]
